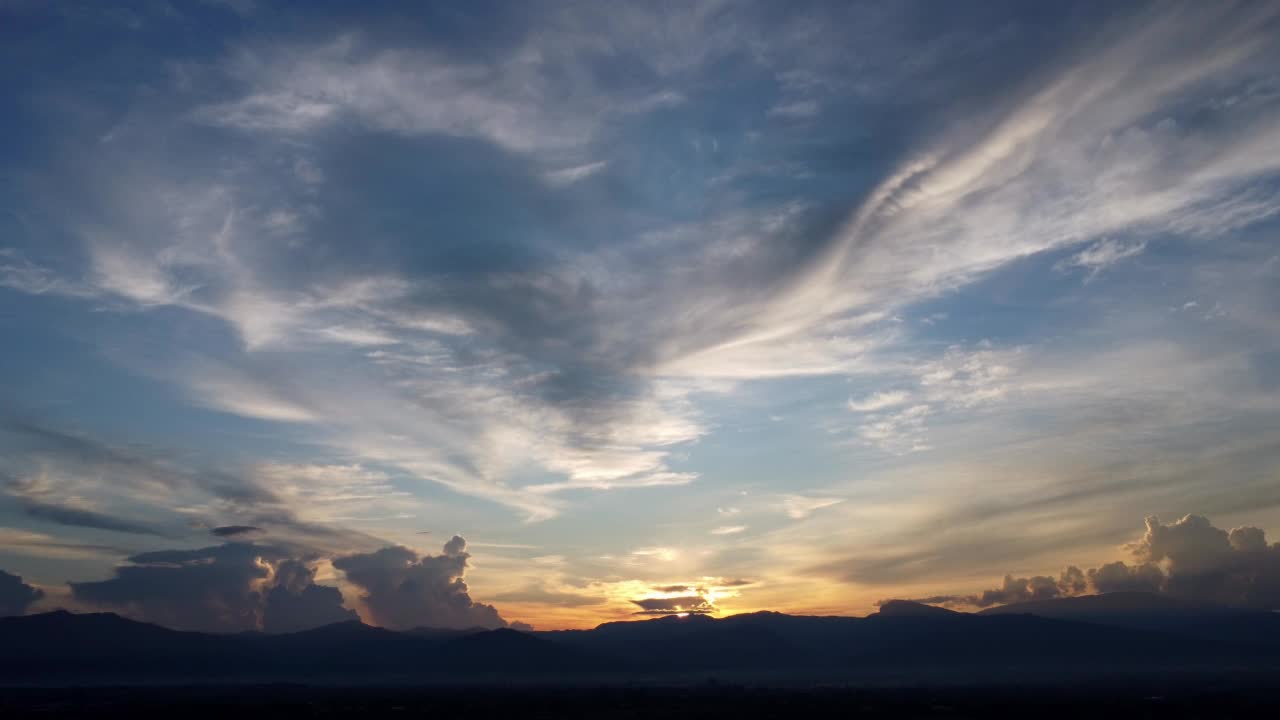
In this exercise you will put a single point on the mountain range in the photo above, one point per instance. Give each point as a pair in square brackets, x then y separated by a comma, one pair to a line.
[1119, 632]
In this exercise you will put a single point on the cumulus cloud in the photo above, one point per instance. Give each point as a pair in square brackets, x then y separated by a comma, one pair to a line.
[15, 595]
[224, 588]
[294, 602]
[1120, 577]
[1188, 558]
[403, 590]
[1208, 564]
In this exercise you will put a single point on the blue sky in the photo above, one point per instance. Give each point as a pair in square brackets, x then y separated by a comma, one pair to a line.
[792, 307]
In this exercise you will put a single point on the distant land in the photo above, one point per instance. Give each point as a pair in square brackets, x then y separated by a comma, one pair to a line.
[1118, 633]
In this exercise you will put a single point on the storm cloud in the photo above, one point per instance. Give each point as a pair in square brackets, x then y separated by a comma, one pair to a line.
[404, 590]
[15, 595]
[1188, 559]
[224, 588]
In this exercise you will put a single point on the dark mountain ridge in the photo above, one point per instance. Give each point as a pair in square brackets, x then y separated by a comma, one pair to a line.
[1158, 613]
[1075, 634]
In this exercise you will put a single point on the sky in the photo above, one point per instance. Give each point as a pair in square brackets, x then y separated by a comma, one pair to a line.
[557, 313]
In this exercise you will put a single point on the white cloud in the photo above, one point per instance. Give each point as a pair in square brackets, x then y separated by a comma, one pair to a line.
[19, 273]
[248, 398]
[1103, 254]
[355, 336]
[729, 530]
[799, 507]
[880, 401]
[899, 432]
[571, 175]
[513, 101]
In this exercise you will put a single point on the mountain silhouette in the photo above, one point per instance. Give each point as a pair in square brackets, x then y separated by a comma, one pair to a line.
[910, 608]
[1124, 632]
[1158, 613]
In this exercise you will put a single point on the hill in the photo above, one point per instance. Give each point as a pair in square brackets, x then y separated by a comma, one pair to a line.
[1090, 635]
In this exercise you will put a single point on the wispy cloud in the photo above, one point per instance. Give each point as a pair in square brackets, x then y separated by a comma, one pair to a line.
[541, 267]
[880, 401]
[799, 507]
[1103, 254]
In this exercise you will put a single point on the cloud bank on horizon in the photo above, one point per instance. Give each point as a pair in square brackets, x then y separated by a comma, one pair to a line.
[790, 309]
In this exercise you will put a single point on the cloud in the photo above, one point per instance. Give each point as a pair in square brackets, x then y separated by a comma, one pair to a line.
[294, 602]
[796, 110]
[798, 507]
[879, 401]
[729, 530]
[696, 598]
[80, 481]
[898, 432]
[570, 175]
[15, 595]
[19, 273]
[236, 531]
[1188, 558]
[512, 101]
[960, 379]
[1119, 577]
[248, 398]
[538, 593]
[34, 544]
[1102, 255]
[224, 588]
[403, 590]
[78, 517]
[534, 336]
[36, 496]
[355, 336]
[1208, 564]
[691, 604]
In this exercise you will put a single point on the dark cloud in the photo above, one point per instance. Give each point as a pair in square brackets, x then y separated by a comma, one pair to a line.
[15, 595]
[40, 502]
[1119, 577]
[692, 604]
[403, 590]
[693, 598]
[295, 602]
[138, 473]
[1039, 587]
[225, 588]
[1207, 564]
[141, 469]
[77, 517]
[1188, 558]
[236, 531]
